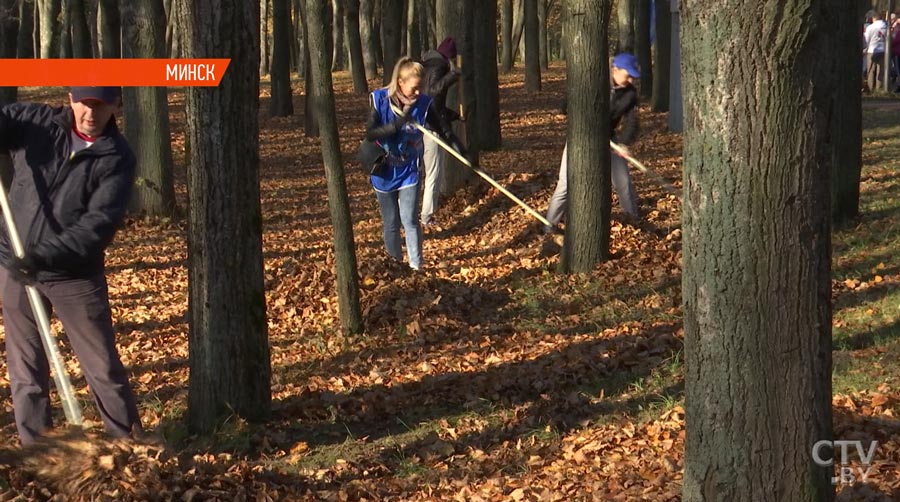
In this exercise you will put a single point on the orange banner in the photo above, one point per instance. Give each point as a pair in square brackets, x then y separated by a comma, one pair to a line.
[119, 72]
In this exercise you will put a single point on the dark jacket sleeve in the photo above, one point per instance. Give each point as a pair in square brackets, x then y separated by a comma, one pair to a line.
[95, 229]
[445, 82]
[375, 130]
[13, 119]
[630, 127]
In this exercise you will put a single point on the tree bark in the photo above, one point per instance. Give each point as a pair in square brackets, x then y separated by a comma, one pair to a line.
[391, 19]
[228, 343]
[625, 17]
[65, 30]
[486, 112]
[642, 47]
[354, 41]
[338, 203]
[543, 38]
[588, 170]
[109, 29]
[81, 34]
[50, 43]
[337, 35]
[310, 121]
[532, 47]
[282, 102]
[264, 36]
[367, 36]
[662, 58]
[756, 283]
[25, 43]
[506, 30]
[518, 26]
[413, 35]
[147, 111]
[847, 120]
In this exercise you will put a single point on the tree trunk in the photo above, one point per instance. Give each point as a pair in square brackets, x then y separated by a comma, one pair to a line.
[506, 29]
[662, 58]
[109, 31]
[147, 111]
[756, 283]
[625, 10]
[50, 10]
[587, 140]
[454, 18]
[338, 203]
[642, 47]
[229, 350]
[532, 47]
[81, 34]
[377, 33]
[310, 121]
[542, 23]
[518, 26]
[65, 30]
[367, 37]
[357, 65]
[337, 35]
[36, 32]
[413, 35]
[486, 113]
[847, 120]
[391, 19]
[25, 44]
[264, 36]
[281, 103]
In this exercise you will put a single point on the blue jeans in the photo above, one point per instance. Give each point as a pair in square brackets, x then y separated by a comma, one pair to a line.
[399, 207]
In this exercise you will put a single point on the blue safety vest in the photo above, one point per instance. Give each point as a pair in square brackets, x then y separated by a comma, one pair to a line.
[404, 149]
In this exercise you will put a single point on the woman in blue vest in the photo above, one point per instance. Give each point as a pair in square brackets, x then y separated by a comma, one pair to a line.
[396, 183]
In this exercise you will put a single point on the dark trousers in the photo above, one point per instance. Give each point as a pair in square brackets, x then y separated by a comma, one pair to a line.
[82, 306]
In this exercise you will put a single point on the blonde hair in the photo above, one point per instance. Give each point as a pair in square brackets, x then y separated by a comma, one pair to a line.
[405, 68]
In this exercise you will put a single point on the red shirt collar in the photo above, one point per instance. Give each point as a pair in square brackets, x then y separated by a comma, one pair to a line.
[85, 137]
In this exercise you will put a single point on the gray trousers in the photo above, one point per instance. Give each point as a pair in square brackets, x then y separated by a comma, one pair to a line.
[621, 181]
[83, 307]
[433, 159]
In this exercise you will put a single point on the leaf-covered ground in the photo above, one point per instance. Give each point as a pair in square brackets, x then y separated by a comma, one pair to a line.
[488, 376]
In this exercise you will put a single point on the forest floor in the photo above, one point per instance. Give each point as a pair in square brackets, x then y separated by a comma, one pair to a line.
[489, 376]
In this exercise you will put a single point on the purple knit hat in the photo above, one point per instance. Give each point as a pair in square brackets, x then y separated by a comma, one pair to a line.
[448, 48]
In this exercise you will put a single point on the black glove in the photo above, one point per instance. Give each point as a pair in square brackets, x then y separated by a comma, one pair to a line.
[23, 270]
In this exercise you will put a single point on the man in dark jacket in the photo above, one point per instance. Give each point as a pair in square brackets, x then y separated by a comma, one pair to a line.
[439, 74]
[623, 110]
[73, 174]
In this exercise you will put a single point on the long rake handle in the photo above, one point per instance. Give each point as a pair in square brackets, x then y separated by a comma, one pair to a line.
[477, 170]
[60, 376]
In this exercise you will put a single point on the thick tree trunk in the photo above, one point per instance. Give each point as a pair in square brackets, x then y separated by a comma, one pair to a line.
[297, 34]
[310, 121]
[391, 19]
[756, 286]
[50, 43]
[228, 343]
[81, 34]
[518, 26]
[543, 38]
[25, 42]
[337, 35]
[847, 120]
[413, 35]
[642, 47]
[588, 169]
[625, 10]
[662, 58]
[486, 112]
[264, 36]
[506, 30]
[367, 36]
[147, 111]
[338, 203]
[282, 103]
[109, 29]
[354, 41]
[532, 47]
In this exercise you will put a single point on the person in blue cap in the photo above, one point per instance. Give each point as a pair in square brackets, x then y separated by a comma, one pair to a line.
[624, 125]
[72, 179]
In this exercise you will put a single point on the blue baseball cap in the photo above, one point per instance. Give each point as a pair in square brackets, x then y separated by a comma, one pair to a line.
[108, 95]
[627, 62]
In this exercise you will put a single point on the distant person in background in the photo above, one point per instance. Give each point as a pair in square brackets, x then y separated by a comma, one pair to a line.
[875, 38]
[623, 110]
[438, 75]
